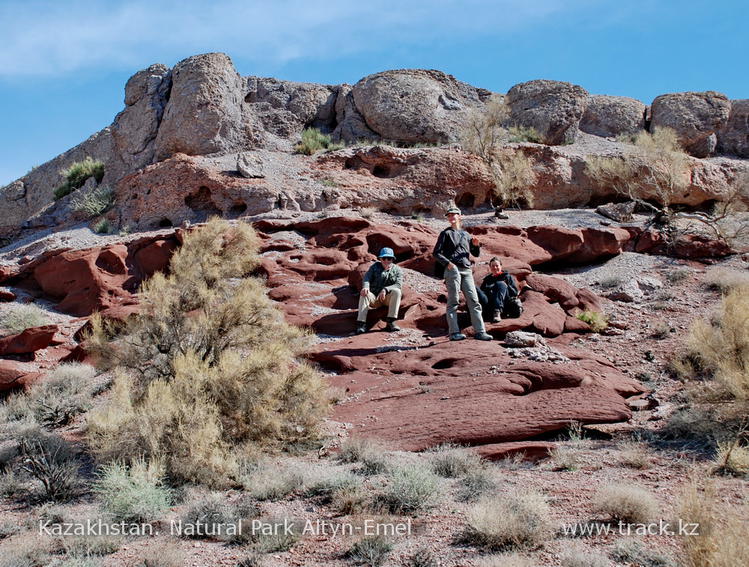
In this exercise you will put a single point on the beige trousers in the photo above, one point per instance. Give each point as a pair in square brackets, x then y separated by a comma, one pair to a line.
[369, 301]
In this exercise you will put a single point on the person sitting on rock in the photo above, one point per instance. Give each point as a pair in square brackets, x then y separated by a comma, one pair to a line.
[498, 293]
[452, 251]
[381, 286]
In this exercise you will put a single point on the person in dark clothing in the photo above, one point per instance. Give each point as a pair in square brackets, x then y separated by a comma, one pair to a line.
[498, 293]
[452, 251]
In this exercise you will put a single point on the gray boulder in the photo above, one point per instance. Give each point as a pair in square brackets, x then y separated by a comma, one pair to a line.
[135, 128]
[695, 117]
[204, 114]
[416, 105]
[733, 138]
[285, 108]
[553, 108]
[612, 116]
[351, 124]
[250, 166]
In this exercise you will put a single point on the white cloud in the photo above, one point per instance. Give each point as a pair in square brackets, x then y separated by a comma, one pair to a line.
[56, 38]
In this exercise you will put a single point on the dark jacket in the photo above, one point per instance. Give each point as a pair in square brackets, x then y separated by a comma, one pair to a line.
[377, 279]
[455, 246]
[491, 281]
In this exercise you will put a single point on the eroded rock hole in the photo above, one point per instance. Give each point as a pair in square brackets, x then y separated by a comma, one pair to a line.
[465, 201]
[202, 204]
[165, 223]
[444, 363]
[237, 209]
[381, 171]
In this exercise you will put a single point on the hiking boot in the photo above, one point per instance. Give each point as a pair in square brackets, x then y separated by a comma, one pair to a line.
[391, 327]
[361, 328]
[496, 316]
[483, 337]
[457, 337]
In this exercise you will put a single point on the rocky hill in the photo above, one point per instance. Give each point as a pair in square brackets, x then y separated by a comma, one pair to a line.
[562, 403]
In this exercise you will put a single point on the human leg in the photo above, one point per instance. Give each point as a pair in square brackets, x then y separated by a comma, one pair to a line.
[452, 282]
[474, 307]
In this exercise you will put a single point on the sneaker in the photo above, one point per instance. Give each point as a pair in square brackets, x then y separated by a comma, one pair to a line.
[361, 328]
[496, 316]
[483, 337]
[391, 327]
[457, 337]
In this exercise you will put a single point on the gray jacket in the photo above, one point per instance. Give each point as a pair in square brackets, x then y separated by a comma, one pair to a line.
[376, 279]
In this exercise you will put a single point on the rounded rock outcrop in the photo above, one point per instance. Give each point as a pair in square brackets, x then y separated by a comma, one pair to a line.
[612, 116]
[695, 117]
[553, 108]
[416, 105]
[204, 112]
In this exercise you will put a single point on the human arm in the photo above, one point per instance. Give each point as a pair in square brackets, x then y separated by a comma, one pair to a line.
[439, 252]
[398, 279]
[474, 246]
[367, 280]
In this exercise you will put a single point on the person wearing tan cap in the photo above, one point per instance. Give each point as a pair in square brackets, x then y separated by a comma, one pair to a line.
[452, 251]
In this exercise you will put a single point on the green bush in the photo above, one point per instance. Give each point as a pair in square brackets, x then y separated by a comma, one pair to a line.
[524, 134]
[208, 366]
[313, 141]
[475, 484]
[135, 493]
[22, 317]
[597, 321]
[77, 174]
[103, 227]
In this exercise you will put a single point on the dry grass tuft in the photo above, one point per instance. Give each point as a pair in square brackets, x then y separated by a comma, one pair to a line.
[628, 504]
[412, 489]
[369, 454]
[508, 521]
[722, 539]
[21, 317]
[135, 493]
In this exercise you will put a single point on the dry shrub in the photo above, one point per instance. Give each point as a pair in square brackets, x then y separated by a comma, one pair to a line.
[208, 365]
[412, 488]
[732, 458]
[52, 462]
[508, 521]
[450, 461]
[632, 551]
[662, 177]
[582, 558]
[628, 504]
[564, 458]
[475, 484]
[369, 454]
[165, 555]
[505, 560]
[273, 482]
[62, 394]
[722, 536]
[28, 549]
[720, 347]
[21, 317]
[724, 279]
[370, 551]
[634, 455]
[511, 170]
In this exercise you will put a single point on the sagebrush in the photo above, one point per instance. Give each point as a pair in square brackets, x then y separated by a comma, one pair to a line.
[77, 174]
[208, 366]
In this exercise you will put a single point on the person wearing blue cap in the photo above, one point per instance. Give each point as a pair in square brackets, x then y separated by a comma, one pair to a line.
[452, 252]
[381, 286]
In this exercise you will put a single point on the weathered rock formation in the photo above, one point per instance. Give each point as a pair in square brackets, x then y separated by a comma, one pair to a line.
[733, 139]
[203, 107]
[553, 108]
[612, 116]
[695, 117]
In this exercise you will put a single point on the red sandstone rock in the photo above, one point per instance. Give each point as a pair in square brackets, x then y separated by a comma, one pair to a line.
[15, 374]
[29, 340]
[7, 295]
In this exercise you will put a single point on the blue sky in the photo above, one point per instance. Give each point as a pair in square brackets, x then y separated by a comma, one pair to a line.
[64, 64]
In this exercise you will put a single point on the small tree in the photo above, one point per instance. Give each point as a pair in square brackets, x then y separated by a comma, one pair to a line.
[655, 185]
[486, 135]
[207, 365]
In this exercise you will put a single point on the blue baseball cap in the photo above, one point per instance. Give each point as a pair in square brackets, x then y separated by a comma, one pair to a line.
[386, 253]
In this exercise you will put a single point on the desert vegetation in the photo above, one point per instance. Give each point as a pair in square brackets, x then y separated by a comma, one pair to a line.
[487, 135]
[77, 174]
[313, 141]
[207, 368]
